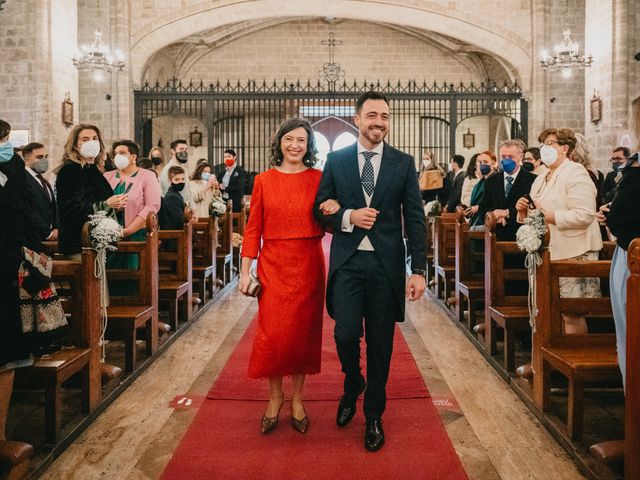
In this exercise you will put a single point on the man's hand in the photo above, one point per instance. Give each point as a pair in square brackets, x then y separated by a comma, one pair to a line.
[501, 216]
[415, 287]
[471, 211]
[53, 236]
[364, 217]
[601, 216]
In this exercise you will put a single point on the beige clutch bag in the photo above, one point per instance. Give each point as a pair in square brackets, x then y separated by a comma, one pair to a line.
[254, 287]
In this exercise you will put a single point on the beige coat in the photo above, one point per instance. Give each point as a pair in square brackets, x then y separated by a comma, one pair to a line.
[571, 195]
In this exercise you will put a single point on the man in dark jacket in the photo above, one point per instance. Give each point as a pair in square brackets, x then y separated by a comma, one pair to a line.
[618, 160]
[36, 161]
[231, 177]
[456, 177]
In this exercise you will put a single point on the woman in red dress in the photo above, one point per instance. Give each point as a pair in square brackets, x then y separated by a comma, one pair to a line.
[291, 269]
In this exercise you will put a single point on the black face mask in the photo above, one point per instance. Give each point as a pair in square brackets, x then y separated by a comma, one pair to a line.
[178, 187]
[528, 166]
[156, 160]
[182, 157]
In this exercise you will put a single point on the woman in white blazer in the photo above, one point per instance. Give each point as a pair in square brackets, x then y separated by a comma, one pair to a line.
[567, 197]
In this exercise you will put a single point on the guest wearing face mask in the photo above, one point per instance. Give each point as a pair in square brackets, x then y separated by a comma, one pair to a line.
[485, 166]
[171, 215]
[80, 185]
[204, 186]
[179, 158]
[618, 159]
[502, 190]
[36, 159]
[433, 181]
[567, 198]
[156, 155]
[232, 179]
[532, 162]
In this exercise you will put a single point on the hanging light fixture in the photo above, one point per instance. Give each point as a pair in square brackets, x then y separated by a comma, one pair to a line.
[96, 57]
[567, 56]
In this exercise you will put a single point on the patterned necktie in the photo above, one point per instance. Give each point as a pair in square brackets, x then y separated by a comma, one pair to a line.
[509, 186]
[367, 173]
[45, 186]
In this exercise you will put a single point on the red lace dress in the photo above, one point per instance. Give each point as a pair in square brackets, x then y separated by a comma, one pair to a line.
[291, 269]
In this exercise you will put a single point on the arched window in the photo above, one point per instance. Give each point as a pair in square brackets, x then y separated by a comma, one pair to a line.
[344, 140]
[322, 144]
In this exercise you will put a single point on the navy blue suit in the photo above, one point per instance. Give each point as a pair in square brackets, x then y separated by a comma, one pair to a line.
[370, 285]
[45, 214]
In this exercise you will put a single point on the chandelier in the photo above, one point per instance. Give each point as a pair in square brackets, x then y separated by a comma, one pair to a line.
[567, 56]
[96, 57]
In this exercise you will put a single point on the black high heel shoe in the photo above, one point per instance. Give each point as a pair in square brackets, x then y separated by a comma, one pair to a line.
[269, 423]
[300, 425]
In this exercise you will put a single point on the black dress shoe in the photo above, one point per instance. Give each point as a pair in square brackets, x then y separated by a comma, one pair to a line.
[374, 435]
[347, 406]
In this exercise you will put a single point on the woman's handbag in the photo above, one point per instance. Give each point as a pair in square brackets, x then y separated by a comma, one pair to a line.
[431, 180]
[254, 287]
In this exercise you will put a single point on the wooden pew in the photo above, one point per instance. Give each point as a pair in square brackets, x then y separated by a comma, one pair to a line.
[444, 252]
[504, 307]
[205, 243]
[175, 284]
[224, 254]
[469, 270]
[430, 275]
[239, 224]
[632, 395]
[580, 358]
[129, 313]
[50, 372]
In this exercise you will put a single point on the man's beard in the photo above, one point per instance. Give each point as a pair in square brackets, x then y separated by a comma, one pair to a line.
[375, 137]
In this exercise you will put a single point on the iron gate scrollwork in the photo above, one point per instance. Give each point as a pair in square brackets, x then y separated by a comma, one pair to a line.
[245, 116]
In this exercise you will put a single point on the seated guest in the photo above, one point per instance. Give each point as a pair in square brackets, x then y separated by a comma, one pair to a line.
[204, 186]
[567, 198]
[471, 179]
[456, 179]
[437, 184]
[80, 186]
[172, 208]
[485, 166]
[179, 158]
[36, 160]
[502, 190]
[157, 159]
[532, 163]
[232, 178]
[618, 160]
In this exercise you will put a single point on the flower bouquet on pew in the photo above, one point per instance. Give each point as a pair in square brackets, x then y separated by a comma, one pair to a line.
[218, 207]
[433, 208]
[529, 238]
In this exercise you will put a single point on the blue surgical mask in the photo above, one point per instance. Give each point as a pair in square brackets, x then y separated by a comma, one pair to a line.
[205, 176]
[6, 152]
[508, 165]
[485, 169]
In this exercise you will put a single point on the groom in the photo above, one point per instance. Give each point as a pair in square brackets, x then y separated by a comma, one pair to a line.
[377, 189]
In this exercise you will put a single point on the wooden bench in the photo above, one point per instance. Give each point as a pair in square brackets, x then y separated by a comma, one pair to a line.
[239, 224]
[580, 358]
[175, 283]
[429, 225]
[444, 253]
[51, 371]
[224, 254]
[469, 273]
[128, 313]
[505, 293]
[205, 243]
[632, 397]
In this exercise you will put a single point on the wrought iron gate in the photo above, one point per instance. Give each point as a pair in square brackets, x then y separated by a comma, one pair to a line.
[244, 117]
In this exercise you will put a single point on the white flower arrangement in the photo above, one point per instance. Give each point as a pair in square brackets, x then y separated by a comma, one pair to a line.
[105, 231]
[529, 236]
[218, 207]
[432, 208]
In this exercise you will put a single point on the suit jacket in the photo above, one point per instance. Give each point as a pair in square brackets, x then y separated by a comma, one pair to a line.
[609, 187]
[456, 192]
[571, 195]
[494, 198]
[396, 197]
[235, 190]
[45, 209]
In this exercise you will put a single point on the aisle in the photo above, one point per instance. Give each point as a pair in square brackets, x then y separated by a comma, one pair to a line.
[224, 441]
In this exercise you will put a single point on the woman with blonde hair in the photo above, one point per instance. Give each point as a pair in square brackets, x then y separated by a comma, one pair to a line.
[204, 186]
[80, 185]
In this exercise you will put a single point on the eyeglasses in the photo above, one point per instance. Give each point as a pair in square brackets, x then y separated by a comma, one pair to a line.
[40, 157]
[548, 143]
[618, 159]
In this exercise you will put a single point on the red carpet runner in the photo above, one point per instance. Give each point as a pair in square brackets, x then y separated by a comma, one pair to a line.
[224, 440]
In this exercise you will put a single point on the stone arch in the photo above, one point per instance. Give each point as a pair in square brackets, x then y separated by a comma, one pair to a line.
[512, 50]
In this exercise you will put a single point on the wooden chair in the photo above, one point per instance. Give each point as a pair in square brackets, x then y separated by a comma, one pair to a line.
[129, 313]
[205, 242]
[239, 224]
[506, 305]
[444, 253]
[224, 254]
[175, 284]
[580, 358]
[469, 272]
[632, 397]
[430, 275]
[83, 312]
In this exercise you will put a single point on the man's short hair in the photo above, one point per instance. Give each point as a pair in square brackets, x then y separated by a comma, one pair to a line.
[231, 152]
[30, 147]
[534, 151]
[458, 159]
[514, 142]
[175, 170]
[370, 95]
[625, 151]
[5, 128]
[177, 142]
[132, 146]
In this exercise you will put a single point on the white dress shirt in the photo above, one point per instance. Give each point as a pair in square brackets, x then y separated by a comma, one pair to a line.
[376, 160]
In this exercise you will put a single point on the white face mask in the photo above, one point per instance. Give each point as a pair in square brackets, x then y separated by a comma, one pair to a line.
[548, 155]
[121, 161]
[426, 163]
[90, 149]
